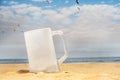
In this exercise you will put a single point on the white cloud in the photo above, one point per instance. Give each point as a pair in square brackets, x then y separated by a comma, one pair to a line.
[67, 1]
[95, 21]
[93, 24]
[13, 2]
[4, 1]
[90, 20]
[38, 0]
[19, 13]
[68, 11]
[102, 2]
[42, 1]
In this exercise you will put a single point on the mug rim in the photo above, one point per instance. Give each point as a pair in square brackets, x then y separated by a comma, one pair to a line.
[38, 29]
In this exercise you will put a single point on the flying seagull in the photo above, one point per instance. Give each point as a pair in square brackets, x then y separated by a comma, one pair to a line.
[78, 8]
[77, 1]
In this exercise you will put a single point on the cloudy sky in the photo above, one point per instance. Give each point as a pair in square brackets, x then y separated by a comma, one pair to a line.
[91, 28]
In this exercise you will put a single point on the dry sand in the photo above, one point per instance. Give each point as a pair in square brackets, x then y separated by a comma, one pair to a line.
[82, 71]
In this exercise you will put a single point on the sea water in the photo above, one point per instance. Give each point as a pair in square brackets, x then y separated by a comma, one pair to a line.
[68, 60]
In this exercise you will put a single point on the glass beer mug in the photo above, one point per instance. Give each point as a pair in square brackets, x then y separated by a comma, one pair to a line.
[41, 51]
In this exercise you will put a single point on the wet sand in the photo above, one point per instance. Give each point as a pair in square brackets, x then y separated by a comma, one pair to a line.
[82, 71]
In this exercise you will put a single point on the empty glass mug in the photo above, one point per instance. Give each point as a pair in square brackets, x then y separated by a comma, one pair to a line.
[41, 51]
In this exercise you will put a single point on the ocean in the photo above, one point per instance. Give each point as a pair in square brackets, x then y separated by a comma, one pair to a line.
[68, 60]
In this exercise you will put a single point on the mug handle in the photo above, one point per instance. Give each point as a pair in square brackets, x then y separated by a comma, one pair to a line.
[60, 33]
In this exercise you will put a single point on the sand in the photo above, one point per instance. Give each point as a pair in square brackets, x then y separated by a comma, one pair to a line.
[81, 71]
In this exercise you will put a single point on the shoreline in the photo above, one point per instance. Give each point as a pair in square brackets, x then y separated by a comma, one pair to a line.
[69, 60]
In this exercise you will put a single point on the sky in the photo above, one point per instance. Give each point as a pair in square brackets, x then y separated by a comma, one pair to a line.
[91, 28]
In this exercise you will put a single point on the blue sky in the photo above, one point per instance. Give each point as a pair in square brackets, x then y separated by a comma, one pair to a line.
[92, 31]
[59, 3]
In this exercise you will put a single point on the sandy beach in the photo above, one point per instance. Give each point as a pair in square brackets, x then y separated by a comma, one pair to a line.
[82, 71]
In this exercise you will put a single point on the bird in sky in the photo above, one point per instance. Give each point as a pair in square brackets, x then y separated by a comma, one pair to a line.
[78, 8]
[77, 1]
